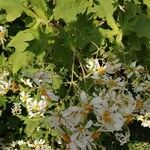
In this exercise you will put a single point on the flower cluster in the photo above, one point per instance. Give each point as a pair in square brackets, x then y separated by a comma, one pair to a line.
[34, 107]
[120, 93]
[36, 93]
[32, 145]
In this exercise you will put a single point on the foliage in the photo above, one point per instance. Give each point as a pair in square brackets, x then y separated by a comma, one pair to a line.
[58, 57]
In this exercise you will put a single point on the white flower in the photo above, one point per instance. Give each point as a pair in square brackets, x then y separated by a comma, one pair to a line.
[122, 138]
[82, 138]
[101, 71]
[4, 86]
[42, 77]
[16, 109]
[143, 86]
[86, 106]
[2, 35]
[133, 69]
[14, 143]
[55, 121]
[83, 97]
[107, 116]
[4, 74]
[25, 97]
[117, 83]
[108, 68]
[71, 140]
[112, 67]
[39, 145]
[49, 95]
[35, 108]
[21, 142]
[142, 105]
[126, 103]
[146, 106]
[71, 117]
[92, 64]
[27, 82]
[145, 119]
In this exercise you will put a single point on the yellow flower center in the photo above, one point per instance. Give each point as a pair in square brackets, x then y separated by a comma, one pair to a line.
[129, 119]
[24, 99]
[87, 108]
[2, 35]
[140, 69]
[95, 135]
[36, 107]
[44, 93]
[66, 138]
[106, 117]
[81, 129]
[101, 70]
[112, 83]
[6, 90]
[99, 81]
[14, 87]
[139, 104]
[38, 145]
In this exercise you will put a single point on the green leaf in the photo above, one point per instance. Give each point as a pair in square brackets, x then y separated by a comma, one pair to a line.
[107, 33]
[34, 8]
[86, 32]
[19, 42]
[2, 18]
[40, 44]
[62, 54]
[31, 125]
[3, 101]
[129, 18]
[40, 8]
[57, 81]
[105, 9]
[20, 60]
[62, 49]
[14, 8]
[137, 49]
[142, 27]
[147, 2]
[68, 9]
[2, 60]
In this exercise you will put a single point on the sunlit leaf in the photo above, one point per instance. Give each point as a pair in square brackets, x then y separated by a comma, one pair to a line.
[68, 9]
[13, 8]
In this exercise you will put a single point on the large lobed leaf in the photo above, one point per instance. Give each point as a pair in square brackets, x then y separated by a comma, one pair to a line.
[128, 19]
[34, 8]
[86, 32]
[147, 2]
[20, 41]
[40, 8]
[68, 9]
[14, 8]
[142, 27]
[105, 9]
[20, 59]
